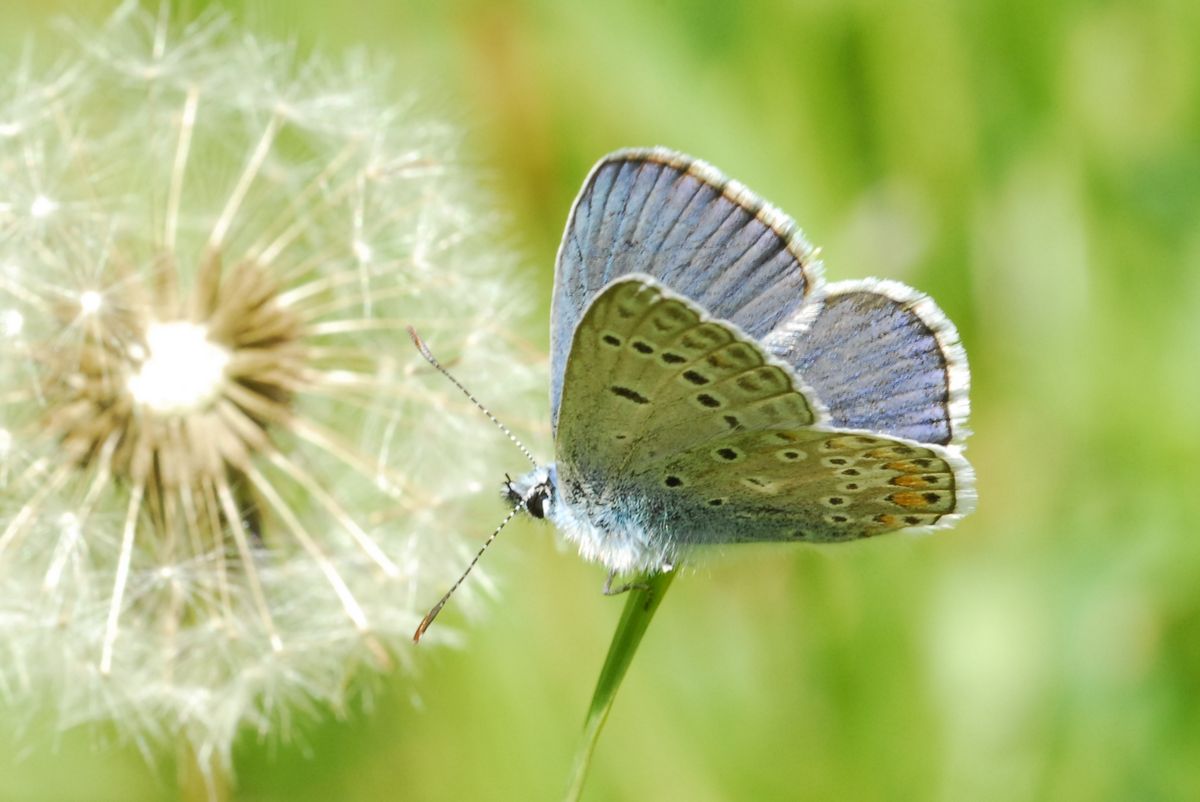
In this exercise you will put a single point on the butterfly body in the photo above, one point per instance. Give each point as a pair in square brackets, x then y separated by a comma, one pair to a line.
[618, 530]
[708, 388]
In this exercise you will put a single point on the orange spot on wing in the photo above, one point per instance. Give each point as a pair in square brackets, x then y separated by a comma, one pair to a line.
[908, 499]
[910, 480]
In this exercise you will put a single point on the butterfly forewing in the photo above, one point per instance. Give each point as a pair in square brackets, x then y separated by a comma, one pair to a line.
[690, 424]
[649, 376]
[683, 223]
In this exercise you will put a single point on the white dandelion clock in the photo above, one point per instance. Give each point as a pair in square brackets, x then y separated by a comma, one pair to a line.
[222, 485]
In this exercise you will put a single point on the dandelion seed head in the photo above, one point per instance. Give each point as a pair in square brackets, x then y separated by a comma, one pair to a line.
[182, 370]
[226, 478]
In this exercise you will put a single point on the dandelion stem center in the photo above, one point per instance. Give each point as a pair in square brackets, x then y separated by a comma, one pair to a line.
[183, 370]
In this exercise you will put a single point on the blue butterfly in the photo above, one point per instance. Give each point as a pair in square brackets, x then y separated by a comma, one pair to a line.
[707, 387]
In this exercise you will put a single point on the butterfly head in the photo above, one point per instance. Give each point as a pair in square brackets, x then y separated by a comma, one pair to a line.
[535, 490]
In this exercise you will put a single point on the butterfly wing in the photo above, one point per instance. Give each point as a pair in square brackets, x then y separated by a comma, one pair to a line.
[882, 357]
[650, 374]
[696, 434]
[696, 232]
[806, 484]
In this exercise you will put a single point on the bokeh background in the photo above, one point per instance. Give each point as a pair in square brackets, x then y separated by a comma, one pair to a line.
[1035, 167]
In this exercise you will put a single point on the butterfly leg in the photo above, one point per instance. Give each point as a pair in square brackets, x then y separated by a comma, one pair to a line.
[609, 590]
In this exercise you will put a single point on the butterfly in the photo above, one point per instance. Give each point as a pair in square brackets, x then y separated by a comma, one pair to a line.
[707, 387]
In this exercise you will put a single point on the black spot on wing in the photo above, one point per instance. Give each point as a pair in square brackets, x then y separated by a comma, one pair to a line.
[629, 394]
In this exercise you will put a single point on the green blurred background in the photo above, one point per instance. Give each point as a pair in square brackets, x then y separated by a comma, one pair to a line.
[1035, 167]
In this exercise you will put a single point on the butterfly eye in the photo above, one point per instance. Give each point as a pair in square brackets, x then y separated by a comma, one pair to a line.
[536, 505]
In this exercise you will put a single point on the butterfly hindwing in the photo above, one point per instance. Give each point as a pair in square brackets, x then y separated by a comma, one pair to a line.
[717, 442]
[806, 485]
[696, 232]
[883, 357]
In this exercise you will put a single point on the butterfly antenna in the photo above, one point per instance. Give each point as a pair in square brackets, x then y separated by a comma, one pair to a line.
[431, 359]
[437, 608]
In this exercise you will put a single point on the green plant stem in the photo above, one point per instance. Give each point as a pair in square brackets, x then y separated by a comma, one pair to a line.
[639, 609]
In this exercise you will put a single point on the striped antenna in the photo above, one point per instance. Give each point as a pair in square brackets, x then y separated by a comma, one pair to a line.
[437, 608]
[431, 359]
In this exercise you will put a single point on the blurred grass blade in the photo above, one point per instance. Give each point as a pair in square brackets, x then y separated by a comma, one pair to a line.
[640, 607]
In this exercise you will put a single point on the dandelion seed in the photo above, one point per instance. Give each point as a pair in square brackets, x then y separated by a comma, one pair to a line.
[222, 483]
